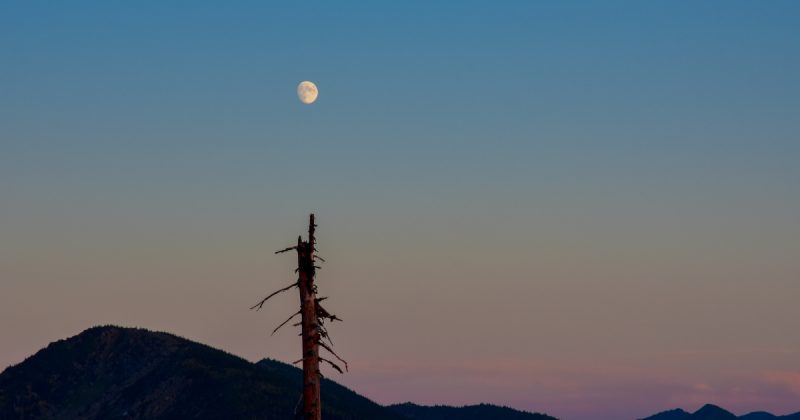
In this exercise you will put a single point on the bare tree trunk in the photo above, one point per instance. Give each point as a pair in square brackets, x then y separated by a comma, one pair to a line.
[312, 323]
[312, 406]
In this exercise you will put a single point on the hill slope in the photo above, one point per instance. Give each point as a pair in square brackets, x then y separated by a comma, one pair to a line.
[469, 412]
[114, 373]
[712, 412]
[111, 372]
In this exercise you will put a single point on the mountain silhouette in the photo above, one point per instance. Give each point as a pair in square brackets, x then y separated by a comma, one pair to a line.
[128, 373]
[676, 414]
[712, 412]
[469, 412]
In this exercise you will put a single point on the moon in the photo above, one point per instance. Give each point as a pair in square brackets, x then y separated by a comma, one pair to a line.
[307, 92]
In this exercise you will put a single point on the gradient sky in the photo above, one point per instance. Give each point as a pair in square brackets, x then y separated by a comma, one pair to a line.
[588, 209]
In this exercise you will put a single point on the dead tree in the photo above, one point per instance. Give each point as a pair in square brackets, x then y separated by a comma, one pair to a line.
[312, 323]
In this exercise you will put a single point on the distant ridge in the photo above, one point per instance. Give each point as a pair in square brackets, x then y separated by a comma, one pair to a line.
[468, 412]
[676, 414]
[713, 412]
[112, 372]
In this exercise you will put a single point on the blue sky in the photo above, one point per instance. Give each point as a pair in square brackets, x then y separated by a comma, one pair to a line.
[500, 92]
[594, 155]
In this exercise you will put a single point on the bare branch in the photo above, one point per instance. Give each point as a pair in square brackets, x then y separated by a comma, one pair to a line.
[286, 249]
[322, 313]
[330, 350]
[334, 365]
[319, 258]
[323, 332]
[284, 322]
[259, 305]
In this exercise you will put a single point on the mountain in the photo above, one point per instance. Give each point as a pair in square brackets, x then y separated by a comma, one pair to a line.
[676, 414]
[114, 373]
[469, 412]
[712, 412]
[763, 415]
[111, 372]
[759, 415]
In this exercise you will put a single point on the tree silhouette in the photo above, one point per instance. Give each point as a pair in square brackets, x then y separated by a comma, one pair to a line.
[312, 322]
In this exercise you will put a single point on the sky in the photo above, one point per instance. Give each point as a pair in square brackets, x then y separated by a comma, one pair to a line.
[589, 209]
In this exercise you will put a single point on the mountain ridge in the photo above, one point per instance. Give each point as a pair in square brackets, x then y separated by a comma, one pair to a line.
[110, 372]
[713, 412]
[465, 412]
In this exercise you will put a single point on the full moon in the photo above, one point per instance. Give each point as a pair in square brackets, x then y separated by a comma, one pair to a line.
[307, 92]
